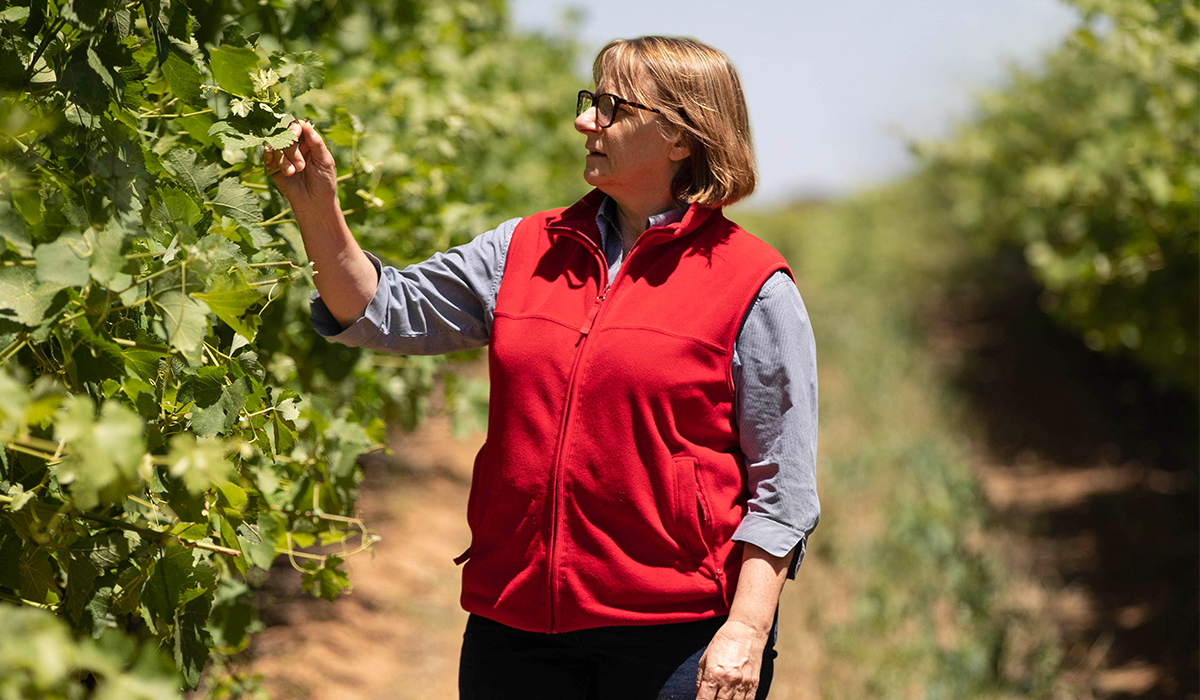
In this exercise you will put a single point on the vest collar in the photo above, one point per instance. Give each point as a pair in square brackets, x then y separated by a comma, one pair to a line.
[581, 217]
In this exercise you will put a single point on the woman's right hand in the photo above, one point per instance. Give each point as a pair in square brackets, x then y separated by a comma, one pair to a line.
[305, 172]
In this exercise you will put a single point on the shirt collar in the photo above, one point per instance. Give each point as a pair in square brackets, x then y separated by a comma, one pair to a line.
[607, 219]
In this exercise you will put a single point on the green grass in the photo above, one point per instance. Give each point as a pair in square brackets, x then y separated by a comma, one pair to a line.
[901, 595]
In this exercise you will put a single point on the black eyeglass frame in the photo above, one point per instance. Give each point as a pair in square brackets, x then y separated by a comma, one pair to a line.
[617, 102]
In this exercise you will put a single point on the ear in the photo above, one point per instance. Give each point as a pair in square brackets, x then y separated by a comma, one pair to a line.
[680, 150]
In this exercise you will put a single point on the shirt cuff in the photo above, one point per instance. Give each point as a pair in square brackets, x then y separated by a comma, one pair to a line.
[774, 538]
[324, 323]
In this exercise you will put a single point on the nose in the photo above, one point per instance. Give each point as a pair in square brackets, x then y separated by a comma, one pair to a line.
[585, 123]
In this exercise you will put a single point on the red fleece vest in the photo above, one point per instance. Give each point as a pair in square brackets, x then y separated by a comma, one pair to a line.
[612, 480]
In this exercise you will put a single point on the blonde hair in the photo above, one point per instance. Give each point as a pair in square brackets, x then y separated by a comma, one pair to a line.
[700, 96]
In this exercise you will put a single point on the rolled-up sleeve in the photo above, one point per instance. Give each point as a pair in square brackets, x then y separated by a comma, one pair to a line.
[775, 375]
[443, 304]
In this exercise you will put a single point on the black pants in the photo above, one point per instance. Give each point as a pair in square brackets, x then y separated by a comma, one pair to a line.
[650, 662]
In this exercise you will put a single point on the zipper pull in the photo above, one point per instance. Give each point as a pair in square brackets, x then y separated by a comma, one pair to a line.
[591, 317]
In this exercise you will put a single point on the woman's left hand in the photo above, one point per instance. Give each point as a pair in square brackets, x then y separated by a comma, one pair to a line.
[730, 666]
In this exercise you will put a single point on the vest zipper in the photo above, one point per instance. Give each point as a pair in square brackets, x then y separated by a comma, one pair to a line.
[564, 428]
[591, 317]
[557, 476]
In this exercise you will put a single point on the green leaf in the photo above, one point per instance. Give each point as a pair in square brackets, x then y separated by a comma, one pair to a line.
[204, 387]
[237, 202]
[192, 639]
[98, 359]
[64, 262]
[12, 68]
[108, 550]
[181, 21]
[86, 14]
[228, 298]
[82, 85]
[325, 580]
[307, 72]
[184, 78]
[231, 68]
[176, 212]
[102, 453]
[230, 137]
[19, 497]
[235, 496]
[81, 582]
[37, 576]
[13, 228]
[121, 169]
[232, 614]
[107, 260]
[274, 134]
[259, 540]
[14, 14]
[189, 531]
[222, 416]
[197, 126]
[280, 139]
[169, 575]
[288, 409]
[185, 321]
[97, 65]
[127, 595]
[11, 549]
[24, 296]
[199, 463]
[190, 169]
[346, 129]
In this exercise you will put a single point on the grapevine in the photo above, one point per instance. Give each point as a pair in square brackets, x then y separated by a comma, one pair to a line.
[171, 423]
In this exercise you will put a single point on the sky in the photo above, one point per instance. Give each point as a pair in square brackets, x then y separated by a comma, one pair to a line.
[835, 89]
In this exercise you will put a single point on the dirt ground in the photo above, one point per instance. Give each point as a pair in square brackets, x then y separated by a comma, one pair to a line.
[1091, 474]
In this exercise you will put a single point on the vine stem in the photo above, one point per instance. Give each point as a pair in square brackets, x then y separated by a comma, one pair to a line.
[16, 447]
[13, 349]
[278, 280]
[42, 47]
[150, 115]
[151, 254]
[274, 264]
[212, 548]
[278, 218]
[151, 276]
[22, 601]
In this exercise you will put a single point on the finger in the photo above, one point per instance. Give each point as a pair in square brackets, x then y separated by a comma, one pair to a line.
[708, 689]
[294, 127]
[270, 160]
[296, 161]
[314, 142]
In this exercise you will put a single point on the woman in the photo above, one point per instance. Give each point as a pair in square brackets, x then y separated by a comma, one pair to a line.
[648, 474]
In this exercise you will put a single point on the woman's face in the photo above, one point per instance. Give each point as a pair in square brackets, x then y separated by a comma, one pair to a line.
[631, 160]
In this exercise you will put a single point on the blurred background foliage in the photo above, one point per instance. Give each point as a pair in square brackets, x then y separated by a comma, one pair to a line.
[1089, 165]
[128, 154]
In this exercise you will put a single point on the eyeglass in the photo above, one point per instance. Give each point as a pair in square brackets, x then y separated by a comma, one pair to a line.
[606, 106]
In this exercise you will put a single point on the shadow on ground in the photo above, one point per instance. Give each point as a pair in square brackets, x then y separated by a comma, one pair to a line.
[1093, 471]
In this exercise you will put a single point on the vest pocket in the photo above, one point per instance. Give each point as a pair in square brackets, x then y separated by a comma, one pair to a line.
[691, 513]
